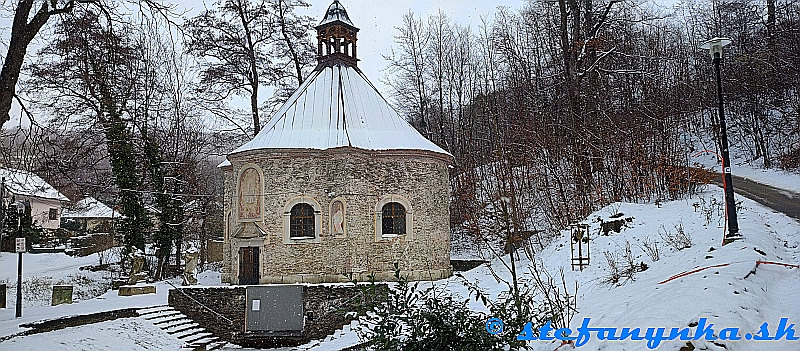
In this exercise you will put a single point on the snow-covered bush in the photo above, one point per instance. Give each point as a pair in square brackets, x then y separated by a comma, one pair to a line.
[680, 240]
[37, 290]
[622, 267]
[538, 298]
[650, 248]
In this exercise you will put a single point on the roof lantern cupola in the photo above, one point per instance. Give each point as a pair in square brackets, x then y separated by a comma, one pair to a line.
[336, 37]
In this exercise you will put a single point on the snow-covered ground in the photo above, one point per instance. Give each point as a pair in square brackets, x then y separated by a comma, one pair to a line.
[41, 271]
[735, 292]
[122, 334]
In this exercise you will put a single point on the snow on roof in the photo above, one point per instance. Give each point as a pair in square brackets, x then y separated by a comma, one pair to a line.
[336, 12]
[90, 207]
[25, 183]
[152, 209]
[225, 163]
[337, 106]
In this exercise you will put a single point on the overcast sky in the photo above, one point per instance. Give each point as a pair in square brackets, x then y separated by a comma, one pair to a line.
[377, 20]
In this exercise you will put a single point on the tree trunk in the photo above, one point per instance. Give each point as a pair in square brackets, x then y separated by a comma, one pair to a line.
[22, 32]
[289, 45]
[253, 76]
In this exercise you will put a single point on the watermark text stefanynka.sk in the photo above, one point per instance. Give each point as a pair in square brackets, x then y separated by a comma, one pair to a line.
[652, 335]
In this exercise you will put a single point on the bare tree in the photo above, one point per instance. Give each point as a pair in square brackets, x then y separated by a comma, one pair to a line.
[292, 50]
[245, 45]
[29, 18]
[93, 70]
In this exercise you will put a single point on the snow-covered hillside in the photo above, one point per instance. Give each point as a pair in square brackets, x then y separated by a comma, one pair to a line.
[735, 293]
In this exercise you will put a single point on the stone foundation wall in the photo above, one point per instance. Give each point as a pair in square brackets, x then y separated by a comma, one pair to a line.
[228, 302]
[360, 178]
[89, 244]
[325, 310]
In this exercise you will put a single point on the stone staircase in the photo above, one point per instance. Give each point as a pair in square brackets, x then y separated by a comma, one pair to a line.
[182, 327]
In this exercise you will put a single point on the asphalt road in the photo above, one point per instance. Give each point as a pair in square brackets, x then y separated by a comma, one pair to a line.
[780, 200]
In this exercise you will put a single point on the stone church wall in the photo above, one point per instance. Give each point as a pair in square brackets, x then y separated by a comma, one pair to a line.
[360, 179]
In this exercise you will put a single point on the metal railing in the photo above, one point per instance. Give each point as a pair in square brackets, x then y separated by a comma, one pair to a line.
[200, 303]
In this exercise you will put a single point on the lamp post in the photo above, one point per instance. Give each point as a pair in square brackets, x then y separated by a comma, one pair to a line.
[20, 212]
[714, 46]
[2, 212]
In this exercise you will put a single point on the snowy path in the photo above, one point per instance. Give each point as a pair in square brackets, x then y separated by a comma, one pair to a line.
[120, 334]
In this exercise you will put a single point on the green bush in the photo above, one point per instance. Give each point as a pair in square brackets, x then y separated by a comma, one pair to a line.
[426, 319]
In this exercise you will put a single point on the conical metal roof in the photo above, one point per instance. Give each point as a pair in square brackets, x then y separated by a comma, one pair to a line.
[337, 106]
[336, 12]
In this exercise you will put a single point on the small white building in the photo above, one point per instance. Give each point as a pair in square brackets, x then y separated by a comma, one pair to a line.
[45, 201]
[92, 215]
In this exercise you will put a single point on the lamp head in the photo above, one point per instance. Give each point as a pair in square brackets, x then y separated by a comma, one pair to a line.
[715, 45]
[20, 207]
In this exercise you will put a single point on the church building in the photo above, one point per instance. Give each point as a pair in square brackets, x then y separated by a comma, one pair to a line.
[337, 184]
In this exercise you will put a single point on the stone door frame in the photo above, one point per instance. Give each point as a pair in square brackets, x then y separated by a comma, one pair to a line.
[254, 263]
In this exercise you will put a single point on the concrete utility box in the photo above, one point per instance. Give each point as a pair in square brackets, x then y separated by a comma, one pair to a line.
[274, 309]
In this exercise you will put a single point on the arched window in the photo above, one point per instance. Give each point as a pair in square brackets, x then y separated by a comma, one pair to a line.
[302, 218]
[301, 222]
[394, 217]
[393, 221]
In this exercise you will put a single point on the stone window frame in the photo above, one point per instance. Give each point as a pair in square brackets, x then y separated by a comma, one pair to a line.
[378, 218]
[344, 219]
[287, 239]
[238, 190]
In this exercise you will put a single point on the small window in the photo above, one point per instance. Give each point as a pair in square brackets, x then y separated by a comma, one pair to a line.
[301, 222]
[394, 219]
[53, 214]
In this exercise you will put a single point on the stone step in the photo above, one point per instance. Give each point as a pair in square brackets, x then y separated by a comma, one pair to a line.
[183, 328]
[202, 342]
[180, 328]
[194, 337]
[216, 345]
[175, 323]
[154, 309]
[189, 333]
[162, 315]
[168, 319]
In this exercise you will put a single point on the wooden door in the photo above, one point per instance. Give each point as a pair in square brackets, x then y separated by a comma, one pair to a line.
[248, 265]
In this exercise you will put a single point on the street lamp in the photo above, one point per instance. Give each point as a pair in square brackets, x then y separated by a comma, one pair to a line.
[20, 212]
[714, 47]
[3, 215]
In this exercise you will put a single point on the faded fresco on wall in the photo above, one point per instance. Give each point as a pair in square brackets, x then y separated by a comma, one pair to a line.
[250, 194]
[337, 218]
